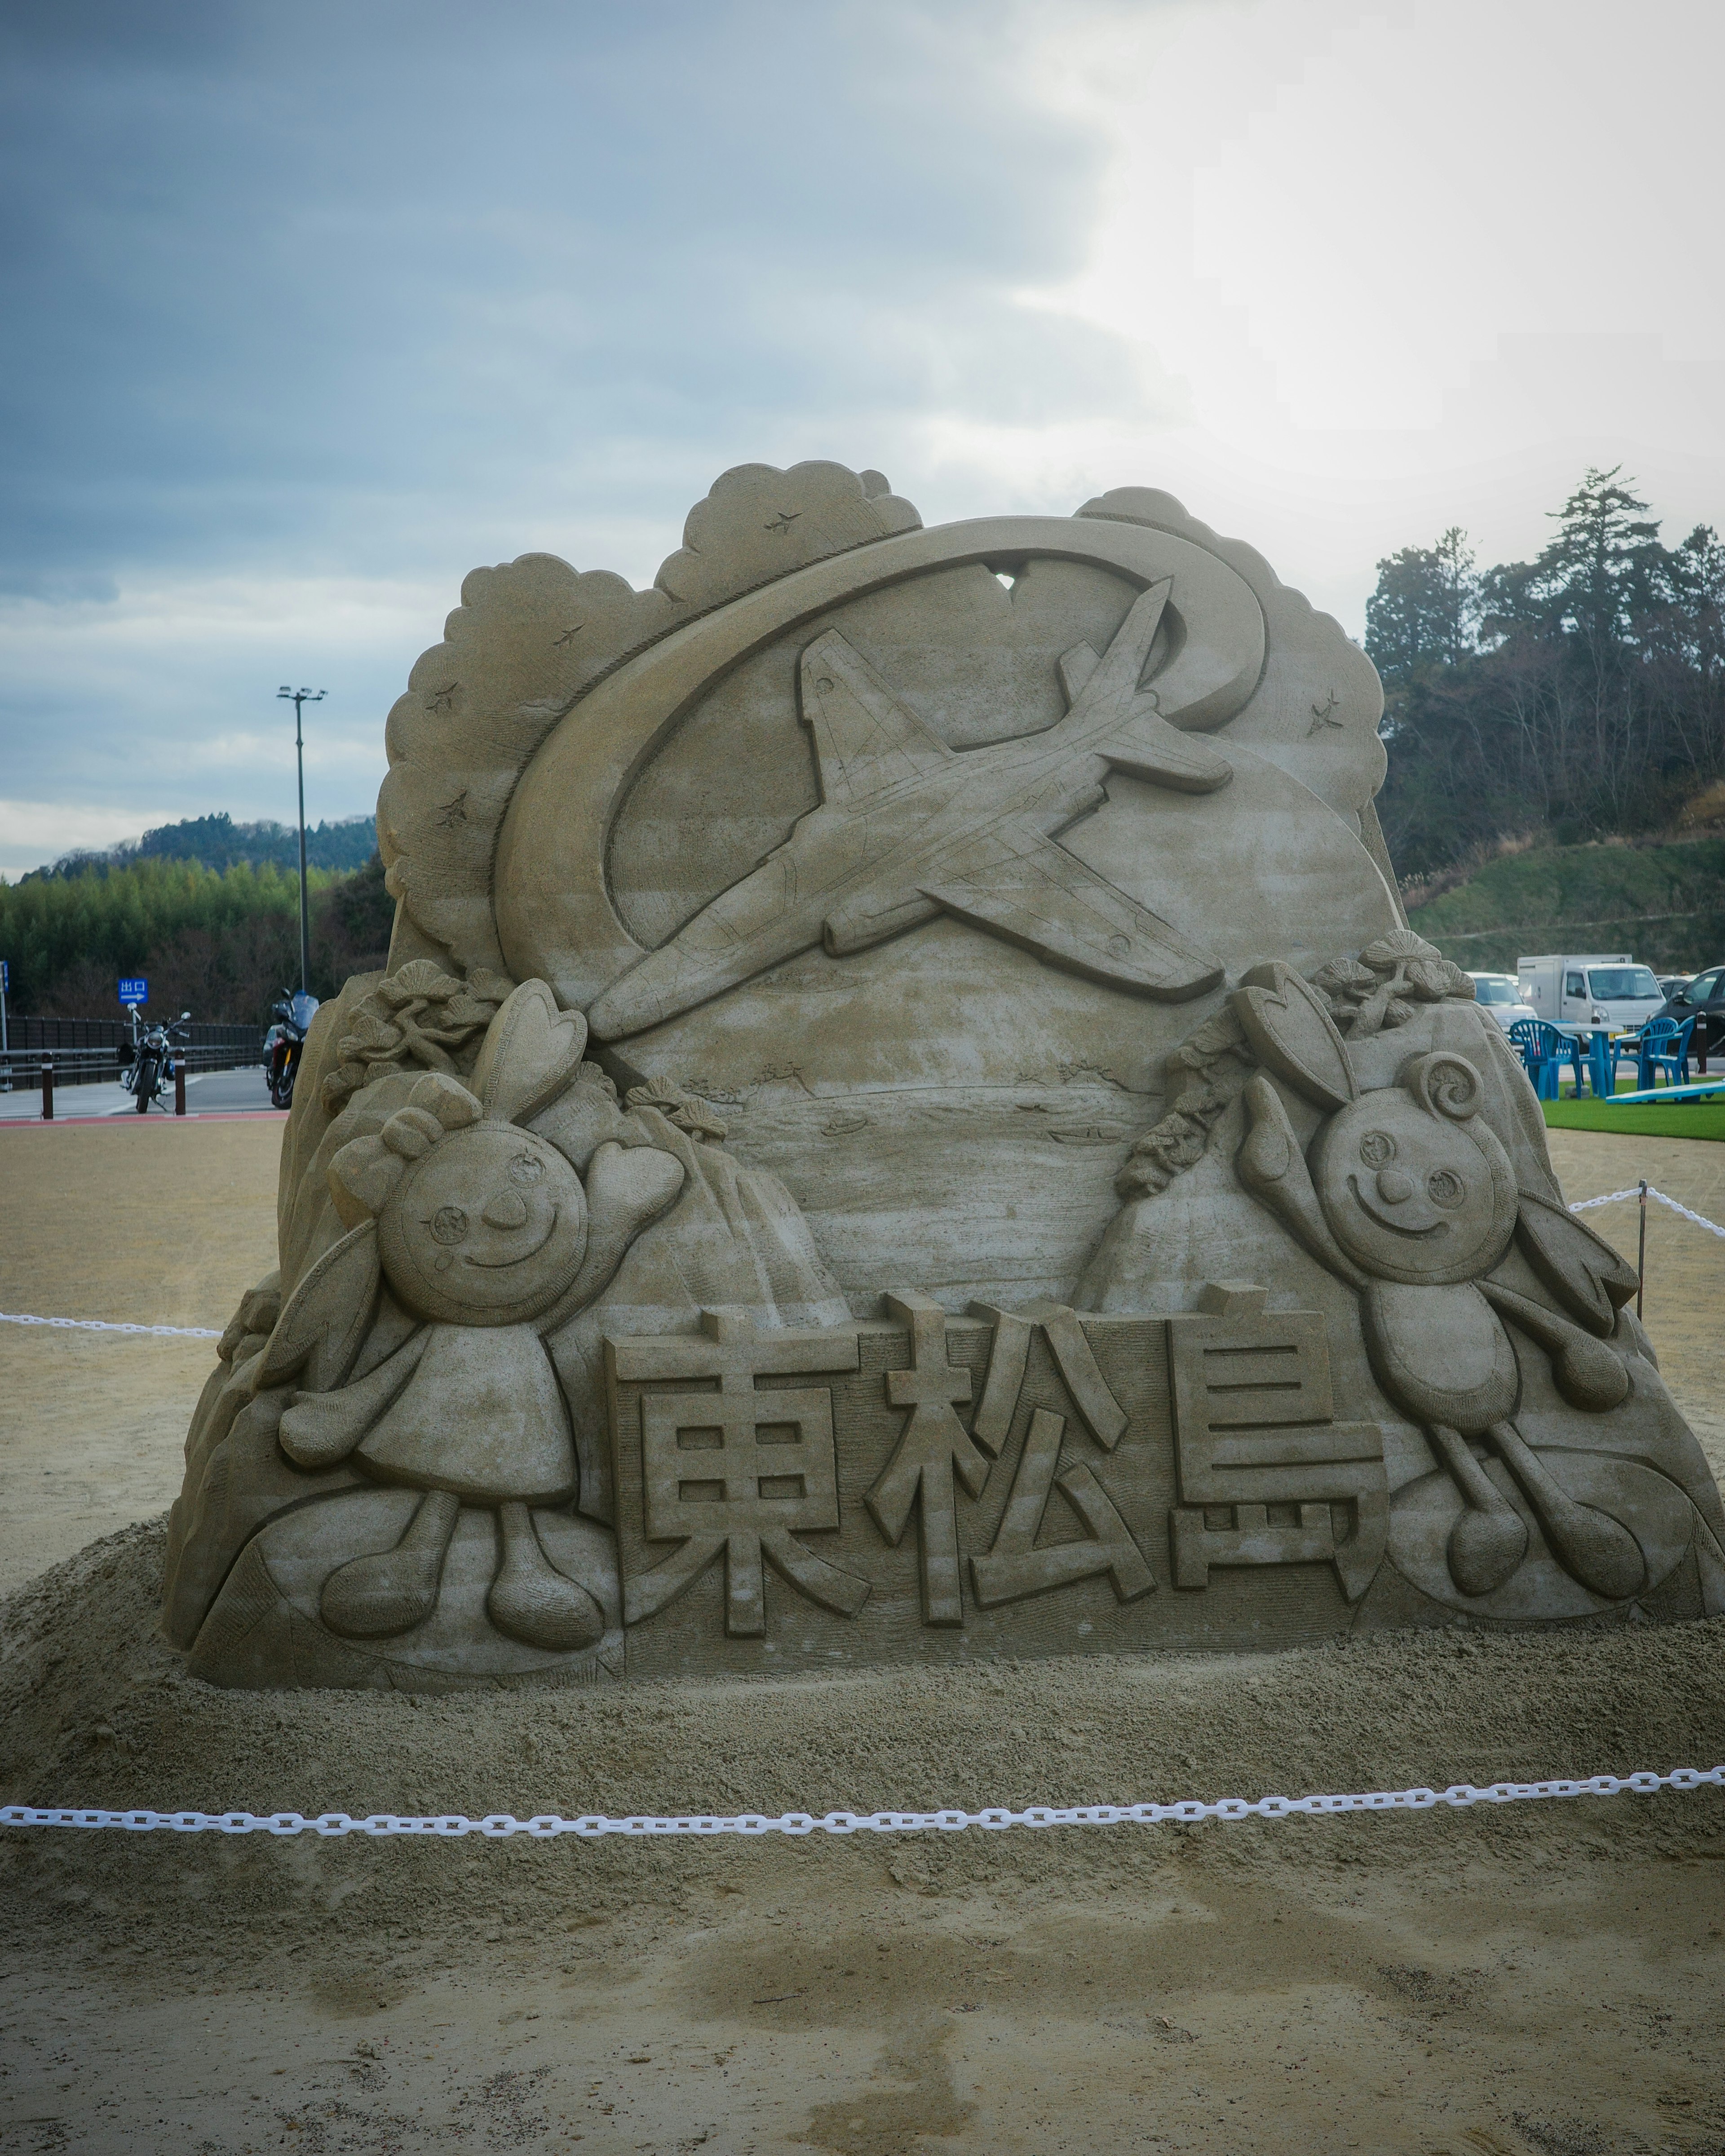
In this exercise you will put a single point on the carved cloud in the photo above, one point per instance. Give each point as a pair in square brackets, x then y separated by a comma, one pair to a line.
[530, 637]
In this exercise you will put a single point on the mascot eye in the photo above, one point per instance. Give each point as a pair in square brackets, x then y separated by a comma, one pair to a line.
[526, 1167]
[449, 1223]
[1446, 1190]
[1376, 1148]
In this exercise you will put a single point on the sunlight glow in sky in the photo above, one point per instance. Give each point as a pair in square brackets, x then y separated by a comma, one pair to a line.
[307, 311]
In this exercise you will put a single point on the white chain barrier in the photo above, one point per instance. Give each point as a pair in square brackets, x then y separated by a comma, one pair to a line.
[205, 1332]
[101, 1324]
[546, 1826]
[1612, 1197]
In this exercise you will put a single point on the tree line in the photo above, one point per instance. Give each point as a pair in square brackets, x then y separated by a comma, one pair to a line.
[221, 943]
[1575, 696]
[218, 842]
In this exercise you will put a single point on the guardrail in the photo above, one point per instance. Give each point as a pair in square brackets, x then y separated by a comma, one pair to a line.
[102, 1067]
[95, 1051]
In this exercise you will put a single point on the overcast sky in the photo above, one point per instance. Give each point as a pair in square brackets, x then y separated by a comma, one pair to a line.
[308, 309]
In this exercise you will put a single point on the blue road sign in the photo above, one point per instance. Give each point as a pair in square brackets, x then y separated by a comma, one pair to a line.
[5, 977]
[135, 991]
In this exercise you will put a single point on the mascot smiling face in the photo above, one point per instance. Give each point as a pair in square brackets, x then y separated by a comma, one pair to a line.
[488, 1227]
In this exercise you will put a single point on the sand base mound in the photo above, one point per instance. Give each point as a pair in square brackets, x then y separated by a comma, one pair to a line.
[96, 1711]
[1539, 1980]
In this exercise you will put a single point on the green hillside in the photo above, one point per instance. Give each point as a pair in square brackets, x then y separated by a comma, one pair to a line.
[1664, 905]
[222, 943]
[218, 842]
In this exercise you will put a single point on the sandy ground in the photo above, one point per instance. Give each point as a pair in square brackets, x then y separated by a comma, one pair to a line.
[142, 1222]
[1543, 1979]
[1685, 1282]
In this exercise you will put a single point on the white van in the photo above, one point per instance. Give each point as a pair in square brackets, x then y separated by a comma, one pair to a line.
[1500, 997]
[1590, 989]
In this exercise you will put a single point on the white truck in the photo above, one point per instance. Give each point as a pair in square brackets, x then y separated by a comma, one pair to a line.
[1583, 990]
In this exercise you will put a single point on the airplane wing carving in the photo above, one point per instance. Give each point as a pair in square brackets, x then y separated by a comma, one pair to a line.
[1075, 668]
[906, 826]
[866, 737]
[1144, 743]
[1030, 890]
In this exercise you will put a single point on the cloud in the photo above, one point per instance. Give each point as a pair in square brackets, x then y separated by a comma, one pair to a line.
[326, 306]
[307, 311]
[1413, 266]
[334, 285]
[31, 831]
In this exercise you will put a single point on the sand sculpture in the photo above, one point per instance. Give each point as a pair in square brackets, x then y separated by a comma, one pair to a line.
[905, 1122]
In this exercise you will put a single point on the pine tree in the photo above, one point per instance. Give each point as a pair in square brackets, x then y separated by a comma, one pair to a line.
[1425, 608]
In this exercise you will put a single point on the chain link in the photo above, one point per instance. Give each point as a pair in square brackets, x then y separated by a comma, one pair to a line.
[101, 1324]
[1612, 1197]
[546, 1826]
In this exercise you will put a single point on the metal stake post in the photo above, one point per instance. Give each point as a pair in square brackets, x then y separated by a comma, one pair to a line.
[297, 697]
[1641, 1252]
[47, 1091]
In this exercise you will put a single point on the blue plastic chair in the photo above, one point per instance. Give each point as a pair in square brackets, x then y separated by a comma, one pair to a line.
[1664, 1046]
[1560, 1048]
[1544, 1051]
[1524, 1039]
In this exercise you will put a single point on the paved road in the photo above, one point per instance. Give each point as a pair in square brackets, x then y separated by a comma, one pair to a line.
[211, 1093]
[225, 1091]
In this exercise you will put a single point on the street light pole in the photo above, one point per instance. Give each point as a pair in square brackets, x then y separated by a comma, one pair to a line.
[297, 697]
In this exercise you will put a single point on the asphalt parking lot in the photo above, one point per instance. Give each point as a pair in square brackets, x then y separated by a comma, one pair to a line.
[208, 1093]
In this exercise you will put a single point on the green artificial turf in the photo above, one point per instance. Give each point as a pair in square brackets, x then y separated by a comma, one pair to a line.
[1682, 1119]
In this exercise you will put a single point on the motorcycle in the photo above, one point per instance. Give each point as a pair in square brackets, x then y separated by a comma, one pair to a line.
[286, 1043]
[152, 1062]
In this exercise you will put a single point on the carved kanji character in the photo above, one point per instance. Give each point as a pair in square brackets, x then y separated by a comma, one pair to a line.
[1015, 1567]
[1254, 1435]
[933, 1446]
[1089, 1389]
[740, 1471]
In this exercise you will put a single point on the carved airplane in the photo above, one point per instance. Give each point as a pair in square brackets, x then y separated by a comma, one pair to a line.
[908, 827]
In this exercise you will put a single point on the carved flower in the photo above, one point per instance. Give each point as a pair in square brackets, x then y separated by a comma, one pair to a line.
[1346, 985]
[371, 1038]
[1346, 976]
[1388, 979]
[485, 987]
[1427, 980]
